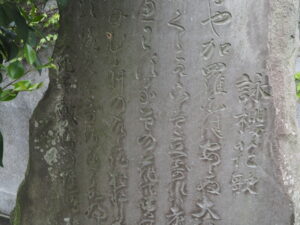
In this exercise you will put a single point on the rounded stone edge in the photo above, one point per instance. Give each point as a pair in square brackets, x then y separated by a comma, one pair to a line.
[283, 45]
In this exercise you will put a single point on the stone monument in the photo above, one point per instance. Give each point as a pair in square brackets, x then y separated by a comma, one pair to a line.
[167, 112]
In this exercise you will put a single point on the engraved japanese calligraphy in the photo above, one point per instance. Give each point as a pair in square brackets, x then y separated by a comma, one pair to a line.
[177, 149]
[253, 92]
[145, 74]
[117, 158]
[211, 146]
[166, 113]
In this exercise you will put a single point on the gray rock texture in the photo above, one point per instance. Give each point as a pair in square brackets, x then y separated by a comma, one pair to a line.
[167, 112]
[14, 124]
[298, 103]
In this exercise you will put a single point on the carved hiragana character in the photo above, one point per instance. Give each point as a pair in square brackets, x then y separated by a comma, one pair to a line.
[118, 104]
[179, 94]
[208, 146]
[148, 10]
[209, 186]
[209, 153]
[96, 212]
[251, 155]
[148, 175]
[148, 204]
[239, 147]
[147, 141]
[146, 39]
[147, 69]
[225, 49]
[220, 18]
[118, 126]
[147, 117]
[251, 161]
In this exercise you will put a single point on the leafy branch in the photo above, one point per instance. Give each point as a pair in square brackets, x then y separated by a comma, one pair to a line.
[25, 28]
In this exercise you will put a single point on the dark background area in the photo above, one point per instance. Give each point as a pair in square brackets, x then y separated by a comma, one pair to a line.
[4, 221]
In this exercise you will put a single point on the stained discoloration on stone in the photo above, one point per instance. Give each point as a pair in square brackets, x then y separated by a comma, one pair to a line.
[51, 156]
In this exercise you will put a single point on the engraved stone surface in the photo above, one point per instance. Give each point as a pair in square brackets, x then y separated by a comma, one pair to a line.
[162, 112]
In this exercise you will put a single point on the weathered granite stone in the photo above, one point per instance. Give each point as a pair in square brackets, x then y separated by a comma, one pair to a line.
[14, 125]
[298, 104]
[167, 112]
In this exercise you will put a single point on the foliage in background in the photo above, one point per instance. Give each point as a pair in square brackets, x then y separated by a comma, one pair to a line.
[25, 28]
[297, 79]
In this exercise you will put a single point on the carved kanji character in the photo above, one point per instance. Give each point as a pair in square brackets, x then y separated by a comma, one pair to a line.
[213, 69]
[237, 182]
[208, 49]
[176, 216]
[205, 206]
[250, 185]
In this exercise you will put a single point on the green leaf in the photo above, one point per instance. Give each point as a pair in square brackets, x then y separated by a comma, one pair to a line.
[13, 13]
[297, 76]
[298, 87]
[26, 85]
[1, 149]
[37, 65]
[38, 18]
[49, 65]
[4, 19]
[1, 56]
[24, 14]
[8, 47]
[30, 54]
[35, 86]
[11, 49]
[3, 46]
[8, 95]
[1, 77]
[10, 34]
[32, 38]
[23, 85]
[15, 70]
[53, 20]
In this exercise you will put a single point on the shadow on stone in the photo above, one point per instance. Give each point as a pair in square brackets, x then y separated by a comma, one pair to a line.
[4, 221]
